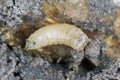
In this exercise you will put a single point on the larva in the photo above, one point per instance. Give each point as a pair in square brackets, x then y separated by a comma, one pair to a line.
[55, 34]
[59, 34]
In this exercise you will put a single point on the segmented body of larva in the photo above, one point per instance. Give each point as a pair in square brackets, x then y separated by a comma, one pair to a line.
[59, 34]
[66, 34]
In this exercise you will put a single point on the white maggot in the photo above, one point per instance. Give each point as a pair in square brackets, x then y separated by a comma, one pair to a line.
[56, 34]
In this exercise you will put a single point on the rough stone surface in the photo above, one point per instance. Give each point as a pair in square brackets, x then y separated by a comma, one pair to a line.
[11, 11]
[17, 64]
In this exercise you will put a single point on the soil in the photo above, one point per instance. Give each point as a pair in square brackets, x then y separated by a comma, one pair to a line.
[19, 18]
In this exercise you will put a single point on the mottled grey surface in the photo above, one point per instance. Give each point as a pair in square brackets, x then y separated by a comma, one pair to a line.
[98, 9]
[11, 11]
[17, 64]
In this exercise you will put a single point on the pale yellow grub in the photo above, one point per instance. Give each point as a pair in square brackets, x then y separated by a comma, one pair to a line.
[56, 34]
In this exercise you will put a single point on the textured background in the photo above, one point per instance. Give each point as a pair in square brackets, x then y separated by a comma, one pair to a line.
[95, 17]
